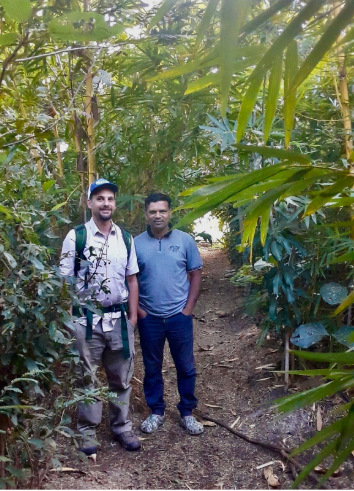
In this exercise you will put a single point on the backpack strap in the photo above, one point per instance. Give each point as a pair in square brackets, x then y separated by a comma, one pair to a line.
[80, 242]
[127, 241]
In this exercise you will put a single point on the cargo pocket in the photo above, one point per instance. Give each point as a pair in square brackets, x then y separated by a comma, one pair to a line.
[131, 337]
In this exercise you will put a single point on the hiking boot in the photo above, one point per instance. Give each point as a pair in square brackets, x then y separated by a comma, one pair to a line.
[90, 452]
[128, 440]
[191, 425]
[152, 423]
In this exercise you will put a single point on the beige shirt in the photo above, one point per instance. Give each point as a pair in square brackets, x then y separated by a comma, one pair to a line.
[107, 267]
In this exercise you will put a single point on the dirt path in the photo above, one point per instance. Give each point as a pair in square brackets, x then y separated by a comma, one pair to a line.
[230, 387]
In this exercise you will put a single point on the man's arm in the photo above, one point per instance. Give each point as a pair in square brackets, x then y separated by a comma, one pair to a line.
[133, 298]
[194, 289]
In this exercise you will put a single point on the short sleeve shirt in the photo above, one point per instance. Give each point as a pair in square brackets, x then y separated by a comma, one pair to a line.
[163, 271]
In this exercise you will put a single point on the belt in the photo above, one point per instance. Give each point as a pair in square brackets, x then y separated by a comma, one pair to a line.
[119, 307]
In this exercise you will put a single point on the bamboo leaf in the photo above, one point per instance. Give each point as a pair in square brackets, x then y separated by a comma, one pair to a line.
[82, 26]
[308, 397]
[328, 194]
[176, 71]
[265, 217]
[265, 16]
[339, 202]
[280, 44]
[205, 22]
[248, 104]
[348, 257]
[214, 78]
[6, 211]
[232, 16]
[343, 358]
[162, 11]
[345, 304]
[240, 183]
[273, 93]
[290, 69]
[18, 10]
[203, 82]
[319, 457]
[342, 455]
[328, 38]
[319, 437]
[276, 153]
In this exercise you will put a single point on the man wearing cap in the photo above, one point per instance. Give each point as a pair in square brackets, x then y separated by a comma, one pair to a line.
[106, 279]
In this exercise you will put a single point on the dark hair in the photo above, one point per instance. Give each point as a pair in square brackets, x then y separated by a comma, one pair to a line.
[155, 197]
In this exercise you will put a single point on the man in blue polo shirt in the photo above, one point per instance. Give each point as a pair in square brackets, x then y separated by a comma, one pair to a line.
[166, 300]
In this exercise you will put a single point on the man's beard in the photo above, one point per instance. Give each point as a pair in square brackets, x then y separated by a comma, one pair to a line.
[105, 218]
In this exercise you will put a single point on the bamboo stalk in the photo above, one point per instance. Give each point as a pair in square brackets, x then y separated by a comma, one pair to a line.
[344, 103]
[33, 150]
[344, 92]
[286, 361]
[91, 160]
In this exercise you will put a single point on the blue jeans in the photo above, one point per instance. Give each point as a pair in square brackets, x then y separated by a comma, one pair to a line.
[178, 330]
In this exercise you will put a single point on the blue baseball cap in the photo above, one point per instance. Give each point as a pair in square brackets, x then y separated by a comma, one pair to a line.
[101, 183]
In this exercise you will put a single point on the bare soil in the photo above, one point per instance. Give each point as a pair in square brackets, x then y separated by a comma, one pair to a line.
[235, 384]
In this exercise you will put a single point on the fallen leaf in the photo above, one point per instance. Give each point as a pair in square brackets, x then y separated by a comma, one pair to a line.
[211, 405]
[221, 313]
[226, 366]
[270, 365]
[232, 359]
[319, 422]
[322, 470]
[208, 423]
[140, 382]
[206, 348]
[267, 464]
[67, 469]
[235, 422]
[272, 479]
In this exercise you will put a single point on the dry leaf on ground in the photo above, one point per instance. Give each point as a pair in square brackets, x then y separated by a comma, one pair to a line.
[206, 348]
[319, 422]
[322, 470]
[272, 479]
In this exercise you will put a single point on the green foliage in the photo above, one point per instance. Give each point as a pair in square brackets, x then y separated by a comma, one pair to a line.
[18, 10]
[82, 26]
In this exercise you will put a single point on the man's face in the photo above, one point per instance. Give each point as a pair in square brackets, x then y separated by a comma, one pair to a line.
[158, 216]
[102, 205]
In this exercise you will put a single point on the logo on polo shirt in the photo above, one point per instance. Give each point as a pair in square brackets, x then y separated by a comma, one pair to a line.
[174, 248]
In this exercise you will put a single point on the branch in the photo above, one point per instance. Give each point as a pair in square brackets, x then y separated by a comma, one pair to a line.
[269, 446]
[12, 56]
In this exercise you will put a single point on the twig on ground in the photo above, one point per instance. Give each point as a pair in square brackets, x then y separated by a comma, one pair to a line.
[274, 448]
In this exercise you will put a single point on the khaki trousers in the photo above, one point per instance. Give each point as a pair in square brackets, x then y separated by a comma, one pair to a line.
[104, 348]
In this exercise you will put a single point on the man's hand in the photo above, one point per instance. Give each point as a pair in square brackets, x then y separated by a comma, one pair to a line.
[133, 320]
[186, 311]
[141, 313]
